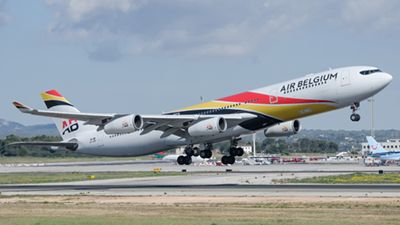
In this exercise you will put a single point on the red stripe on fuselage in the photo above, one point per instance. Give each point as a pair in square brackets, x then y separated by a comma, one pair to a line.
[251, 97]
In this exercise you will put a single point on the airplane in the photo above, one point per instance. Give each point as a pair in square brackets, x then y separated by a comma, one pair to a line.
[273, 109]
[379, 152]
[159, 155]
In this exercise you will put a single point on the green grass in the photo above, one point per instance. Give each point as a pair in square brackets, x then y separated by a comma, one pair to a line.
[41, 177]
[355, 178]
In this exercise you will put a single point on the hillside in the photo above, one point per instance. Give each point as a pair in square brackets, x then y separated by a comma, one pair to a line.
[9, 127]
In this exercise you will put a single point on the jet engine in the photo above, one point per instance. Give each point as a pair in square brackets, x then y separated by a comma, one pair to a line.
[284, 129]
[125, 124]
[208, 127]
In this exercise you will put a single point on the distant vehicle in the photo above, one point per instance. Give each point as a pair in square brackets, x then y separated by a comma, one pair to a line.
[379, 152]
[297, 160]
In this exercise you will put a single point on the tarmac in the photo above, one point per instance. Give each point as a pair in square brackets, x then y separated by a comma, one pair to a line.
[235, 180]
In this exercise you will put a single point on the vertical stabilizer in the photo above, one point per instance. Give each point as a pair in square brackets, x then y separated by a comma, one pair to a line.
[68, 128]
[375, 146]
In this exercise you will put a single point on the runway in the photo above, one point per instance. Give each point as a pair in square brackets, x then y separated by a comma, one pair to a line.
[148, 165]
[205, 181]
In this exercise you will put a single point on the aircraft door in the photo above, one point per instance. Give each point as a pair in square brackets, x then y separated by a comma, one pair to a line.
[345, 78]
[273, 97]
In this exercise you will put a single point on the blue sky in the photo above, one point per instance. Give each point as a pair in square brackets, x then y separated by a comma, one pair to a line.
[145, 57]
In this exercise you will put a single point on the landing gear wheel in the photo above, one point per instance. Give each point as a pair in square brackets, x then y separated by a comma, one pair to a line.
[355, 117]
[189, 151]
[196, 151]
[233, 151]
[231, 159]
[209, 153]
[228, 159]
[188, 160]
[239, 151]
[224, 159]
[181, 160]
[205, 154]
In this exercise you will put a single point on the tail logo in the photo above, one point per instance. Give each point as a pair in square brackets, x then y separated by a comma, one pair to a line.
[71, 125]
[374, 148]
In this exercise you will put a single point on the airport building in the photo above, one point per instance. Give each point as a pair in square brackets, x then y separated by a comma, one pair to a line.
[391, 145]
[246, 148]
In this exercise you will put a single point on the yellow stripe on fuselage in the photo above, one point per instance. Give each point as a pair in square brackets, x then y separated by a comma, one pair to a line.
[282, 112]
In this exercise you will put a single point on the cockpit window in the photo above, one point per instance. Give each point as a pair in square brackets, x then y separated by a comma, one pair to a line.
[367, 72]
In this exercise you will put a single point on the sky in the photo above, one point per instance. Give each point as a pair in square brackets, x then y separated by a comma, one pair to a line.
[149, 57]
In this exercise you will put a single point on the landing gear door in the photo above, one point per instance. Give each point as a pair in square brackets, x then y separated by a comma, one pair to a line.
[99, 140]
[345, 78]
[273, 97]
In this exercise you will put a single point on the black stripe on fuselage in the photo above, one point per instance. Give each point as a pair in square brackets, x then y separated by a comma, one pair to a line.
[52, 103]
[258, 123]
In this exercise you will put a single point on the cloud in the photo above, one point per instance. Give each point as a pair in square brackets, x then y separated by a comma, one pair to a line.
[106, 52]
[3, 17]
[206, 28]
[369, 16]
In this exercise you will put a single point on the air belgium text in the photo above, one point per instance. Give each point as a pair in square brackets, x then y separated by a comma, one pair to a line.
[308, 81]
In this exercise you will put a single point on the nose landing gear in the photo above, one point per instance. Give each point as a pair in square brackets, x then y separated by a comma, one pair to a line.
[354, 116]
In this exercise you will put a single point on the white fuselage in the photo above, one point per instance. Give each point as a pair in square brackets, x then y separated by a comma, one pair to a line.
[297, 98]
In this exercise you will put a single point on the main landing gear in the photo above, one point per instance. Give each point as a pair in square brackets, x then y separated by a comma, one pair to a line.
[354, 116]
[194, 151]
[233, 151]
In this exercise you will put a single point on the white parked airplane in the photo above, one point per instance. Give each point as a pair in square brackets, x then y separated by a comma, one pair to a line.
[274, 109]
[379, 152]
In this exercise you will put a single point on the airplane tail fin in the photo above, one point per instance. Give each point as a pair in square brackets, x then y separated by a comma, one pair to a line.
[375, 146]
[68, 128]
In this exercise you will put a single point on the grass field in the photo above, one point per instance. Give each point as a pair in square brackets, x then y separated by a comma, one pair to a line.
[354, 178]
[41, 177]
[197, 210]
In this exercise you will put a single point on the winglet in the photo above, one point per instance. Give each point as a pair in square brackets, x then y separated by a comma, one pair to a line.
[22, 108]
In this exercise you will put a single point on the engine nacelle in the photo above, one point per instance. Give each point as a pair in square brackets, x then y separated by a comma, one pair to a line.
[124, 124]
[208, 127]
[284, 129]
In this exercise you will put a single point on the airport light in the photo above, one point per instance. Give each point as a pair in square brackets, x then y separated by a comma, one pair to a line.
[372, 116]
[254, 144]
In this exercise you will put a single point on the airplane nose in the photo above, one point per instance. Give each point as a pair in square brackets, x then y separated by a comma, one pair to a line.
[388, 78]
[384, 80]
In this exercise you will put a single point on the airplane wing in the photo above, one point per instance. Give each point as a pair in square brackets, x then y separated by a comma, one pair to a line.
[175, 124]
[68, 145]
[169, 124]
